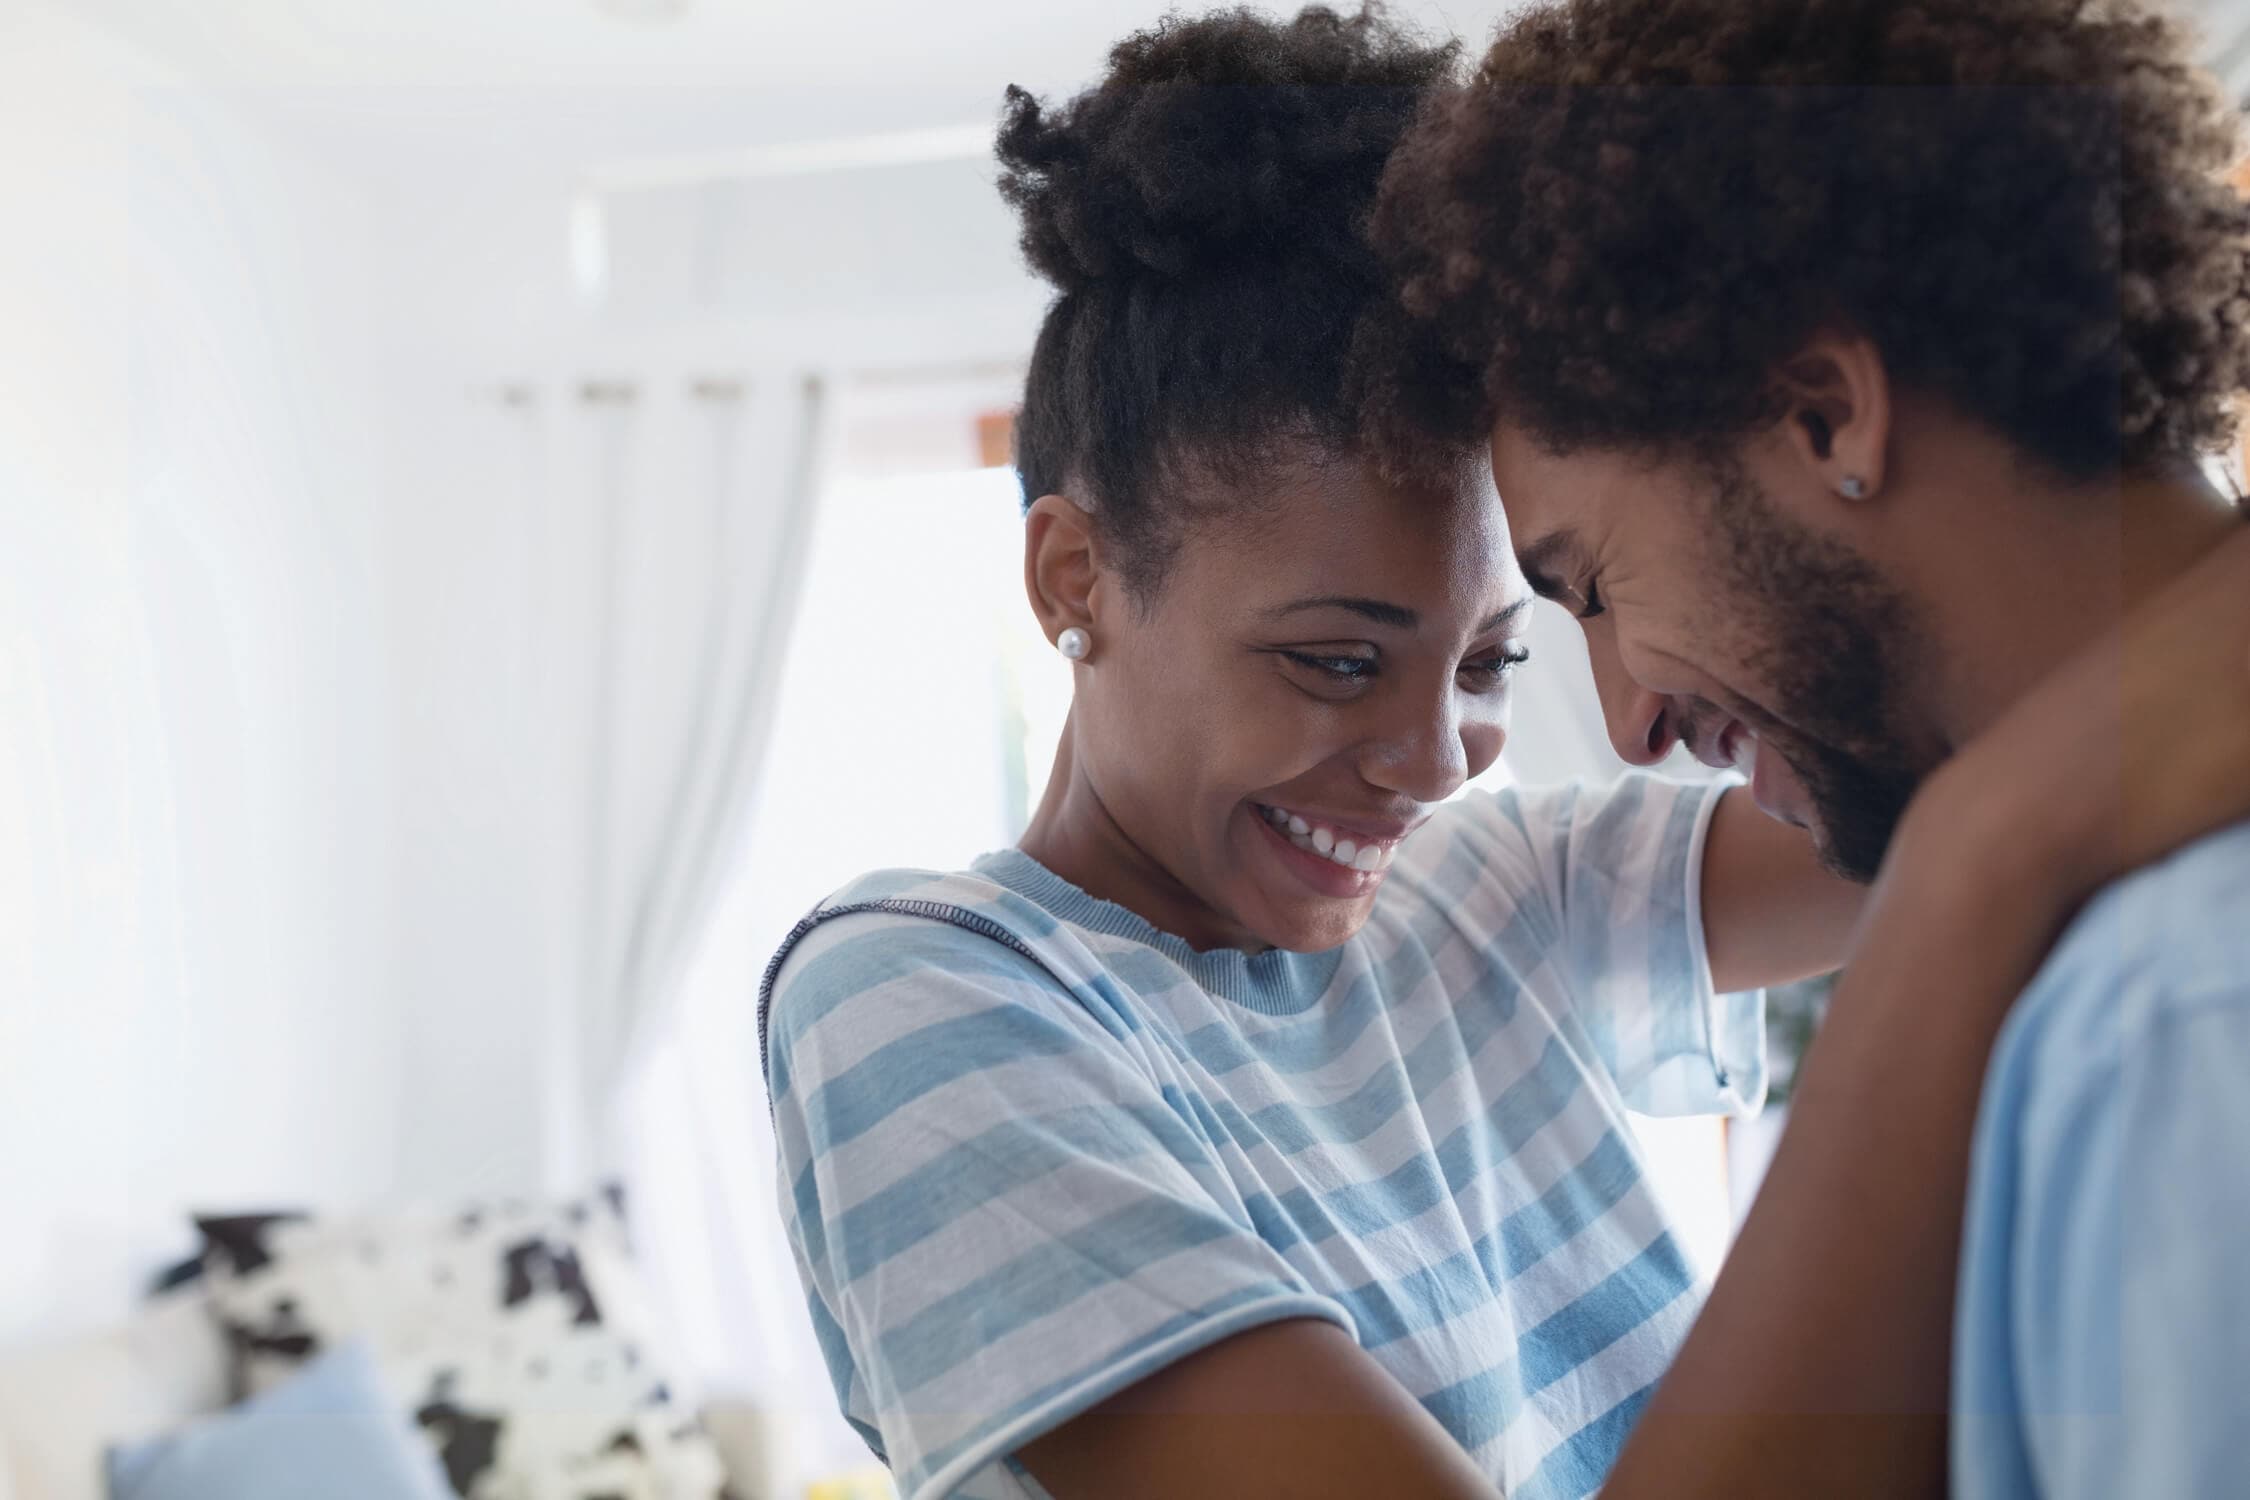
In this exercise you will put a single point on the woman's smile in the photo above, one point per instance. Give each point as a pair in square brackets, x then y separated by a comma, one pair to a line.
[1340, 860]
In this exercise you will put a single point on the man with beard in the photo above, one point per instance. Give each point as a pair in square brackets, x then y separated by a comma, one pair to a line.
[1844, 368]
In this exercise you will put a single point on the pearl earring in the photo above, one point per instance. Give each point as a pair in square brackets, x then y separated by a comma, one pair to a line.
[1852, 487]
[1074, 644]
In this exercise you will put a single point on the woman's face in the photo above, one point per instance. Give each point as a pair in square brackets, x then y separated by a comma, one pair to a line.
[1316, 670]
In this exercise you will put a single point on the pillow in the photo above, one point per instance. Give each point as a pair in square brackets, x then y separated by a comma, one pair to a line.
[332, 1431]
[63, 1402]
[518, 1336]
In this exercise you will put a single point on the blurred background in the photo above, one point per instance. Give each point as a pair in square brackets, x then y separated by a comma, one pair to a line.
[503, 504]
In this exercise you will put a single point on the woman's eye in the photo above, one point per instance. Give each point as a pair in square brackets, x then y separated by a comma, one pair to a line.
[1342, 668]
[1592, 599]
[1498, 666]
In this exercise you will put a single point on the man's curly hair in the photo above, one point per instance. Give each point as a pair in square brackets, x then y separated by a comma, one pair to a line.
[1639, 210]
[1202, 214]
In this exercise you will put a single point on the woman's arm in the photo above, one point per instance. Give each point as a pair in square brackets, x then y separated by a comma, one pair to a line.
[1834, 1300]
[1291, 1409]
[1820, 1365]
[1772, 913]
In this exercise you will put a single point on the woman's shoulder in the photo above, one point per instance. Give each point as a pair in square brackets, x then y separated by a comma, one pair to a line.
[901, 919]
[907, 884]
[932, 940]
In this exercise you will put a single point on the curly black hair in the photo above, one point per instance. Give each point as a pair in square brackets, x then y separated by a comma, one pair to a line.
[1202, 215]
[1639, 210]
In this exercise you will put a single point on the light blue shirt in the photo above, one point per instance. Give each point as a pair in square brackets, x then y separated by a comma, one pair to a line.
[2102, 1343]
[1033, 1150]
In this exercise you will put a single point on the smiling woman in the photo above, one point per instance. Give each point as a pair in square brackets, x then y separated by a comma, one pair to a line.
[1344, 703]
[1267, 1048]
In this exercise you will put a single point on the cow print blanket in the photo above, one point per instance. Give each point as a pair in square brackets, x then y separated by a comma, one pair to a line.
[517, 1333]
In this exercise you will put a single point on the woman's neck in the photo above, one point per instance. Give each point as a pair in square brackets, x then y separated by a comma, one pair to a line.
[1073, 834]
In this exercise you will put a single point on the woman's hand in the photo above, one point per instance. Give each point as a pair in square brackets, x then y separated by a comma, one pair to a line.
[2138, 745]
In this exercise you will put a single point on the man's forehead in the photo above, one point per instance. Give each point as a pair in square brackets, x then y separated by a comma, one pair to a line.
[1530, 489]
[1558, 506]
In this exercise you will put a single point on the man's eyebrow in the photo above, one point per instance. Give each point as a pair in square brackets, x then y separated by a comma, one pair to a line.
[1546, 561]
[1396, 615]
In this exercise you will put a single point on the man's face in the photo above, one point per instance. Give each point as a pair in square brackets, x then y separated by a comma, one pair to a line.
[1715, 619]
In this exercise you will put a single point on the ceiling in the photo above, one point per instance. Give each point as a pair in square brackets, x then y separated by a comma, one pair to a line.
[573, 81]
[769, 71]
[861, 47]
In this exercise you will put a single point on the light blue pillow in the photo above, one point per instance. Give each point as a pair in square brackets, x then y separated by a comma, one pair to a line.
[331, 1431]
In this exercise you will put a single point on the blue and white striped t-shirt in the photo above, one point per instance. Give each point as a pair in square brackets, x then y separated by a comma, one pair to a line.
[1034, 1150]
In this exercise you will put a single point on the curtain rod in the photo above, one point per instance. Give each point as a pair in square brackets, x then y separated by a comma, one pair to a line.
[937, 371]
[895, 148]
[623, 392]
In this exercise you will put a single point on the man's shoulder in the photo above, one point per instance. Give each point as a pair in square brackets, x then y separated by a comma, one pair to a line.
[2107, 1187]
[2167, 940]
[2174, 929]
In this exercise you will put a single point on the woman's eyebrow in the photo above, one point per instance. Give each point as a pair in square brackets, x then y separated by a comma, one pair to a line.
[1397, 615]
[1508, 616]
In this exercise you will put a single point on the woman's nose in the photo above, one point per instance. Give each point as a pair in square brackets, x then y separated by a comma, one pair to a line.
[1432, 761]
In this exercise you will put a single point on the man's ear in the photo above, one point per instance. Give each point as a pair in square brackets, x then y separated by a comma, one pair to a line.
[1061, 565]
[1837, 421]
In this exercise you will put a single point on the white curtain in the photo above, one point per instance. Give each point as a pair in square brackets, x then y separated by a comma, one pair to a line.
[694, 511]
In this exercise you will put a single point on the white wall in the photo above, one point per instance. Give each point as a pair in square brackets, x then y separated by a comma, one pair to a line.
[288, 675]
[195, 793]
[280, 813]
[488, 529]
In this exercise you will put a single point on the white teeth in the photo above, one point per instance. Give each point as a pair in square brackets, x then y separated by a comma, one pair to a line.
[1349, 853]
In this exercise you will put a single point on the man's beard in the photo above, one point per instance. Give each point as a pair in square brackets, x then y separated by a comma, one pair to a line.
[1835, 640]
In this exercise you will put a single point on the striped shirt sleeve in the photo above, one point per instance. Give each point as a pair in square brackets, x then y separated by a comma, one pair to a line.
[1000, 1217]
[1620, 871]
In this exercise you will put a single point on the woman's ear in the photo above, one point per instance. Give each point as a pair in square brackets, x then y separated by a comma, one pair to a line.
[1838, 423]
[1061, 565]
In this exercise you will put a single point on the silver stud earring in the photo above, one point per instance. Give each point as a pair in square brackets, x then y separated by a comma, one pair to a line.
[1074, 644]
[1852, 487]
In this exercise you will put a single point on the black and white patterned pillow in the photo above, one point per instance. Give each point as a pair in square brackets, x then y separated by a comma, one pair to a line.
[520, 1332]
